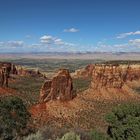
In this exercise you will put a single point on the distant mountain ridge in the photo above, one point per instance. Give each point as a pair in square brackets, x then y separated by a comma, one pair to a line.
[75, 55]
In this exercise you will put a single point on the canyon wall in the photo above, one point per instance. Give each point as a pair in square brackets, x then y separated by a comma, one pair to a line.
[5, 69]
[113, 76]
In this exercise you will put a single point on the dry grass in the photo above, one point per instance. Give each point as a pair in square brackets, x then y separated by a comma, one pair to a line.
[86, 111]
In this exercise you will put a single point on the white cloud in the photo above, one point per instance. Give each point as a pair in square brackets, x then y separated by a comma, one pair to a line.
[130, 46]
[69, 44]
[12, 46]
[135, 42]
[15, 43]
[34, 45]
[71, 30]
[123, 35]
[54, 41]
[58, 41]
[47, 39]
[47, 43]
[1, 44]
[122, 46]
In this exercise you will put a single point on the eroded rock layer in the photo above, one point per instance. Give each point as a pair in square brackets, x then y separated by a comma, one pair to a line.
[85, 72]
[113, 76]
[5, 69]
[60, 87]
[23, 71]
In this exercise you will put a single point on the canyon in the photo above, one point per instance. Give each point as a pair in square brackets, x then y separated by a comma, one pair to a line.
[58, 104]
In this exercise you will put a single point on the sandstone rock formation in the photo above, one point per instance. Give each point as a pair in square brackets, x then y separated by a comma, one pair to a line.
[6, 65]
[3, 77]
[85, 72]
[28, 72]
[5, 69]
[13, 69]
[60, 87]
[45, 90]
[113, 76]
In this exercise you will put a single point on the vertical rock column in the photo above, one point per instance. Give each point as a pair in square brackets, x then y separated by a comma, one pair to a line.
[4, 75]
[59, 88]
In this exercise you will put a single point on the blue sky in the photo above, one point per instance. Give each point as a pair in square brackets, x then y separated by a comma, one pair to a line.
[69, 25]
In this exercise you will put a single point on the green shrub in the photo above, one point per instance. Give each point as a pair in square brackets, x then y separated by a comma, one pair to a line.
[51, 132]
[124, 122]
[28, 88]
[70, 136]
[81, 84]
[36, 136]
[95, 135]
[13, 117]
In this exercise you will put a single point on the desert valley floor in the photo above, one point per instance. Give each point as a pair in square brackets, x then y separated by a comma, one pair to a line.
[97, 87]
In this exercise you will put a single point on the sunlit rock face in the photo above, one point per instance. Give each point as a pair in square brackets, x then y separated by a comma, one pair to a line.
[45, 90]
[85, 72]
[6, 65]
[14, 69]
[113, 76]
[59, 88]
[29, 72]
[5, 69]
[11, 68]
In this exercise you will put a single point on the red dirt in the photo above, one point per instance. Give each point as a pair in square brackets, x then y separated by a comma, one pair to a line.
[85, 111]
[7, 91]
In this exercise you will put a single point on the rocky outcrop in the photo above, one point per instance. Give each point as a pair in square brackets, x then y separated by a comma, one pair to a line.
[4, 76]
[131, 74]
[5, 69]
[13, 69]
[85, 72]
[7, 66]
[89, 68]
[59, 88]
[45, 90]
[113, 76]
[28, 72]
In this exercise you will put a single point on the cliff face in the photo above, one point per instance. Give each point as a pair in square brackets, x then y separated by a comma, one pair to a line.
[60, 87]
[22, 71]
[5, 69]
[113, 76]
[85, 72]
[11, 68]
[45, 90]
[104, 76]
[110, 86]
